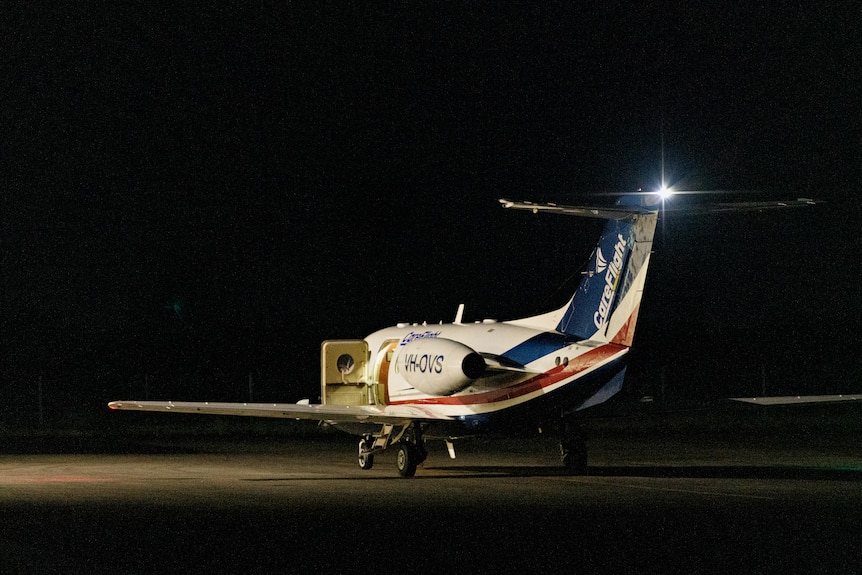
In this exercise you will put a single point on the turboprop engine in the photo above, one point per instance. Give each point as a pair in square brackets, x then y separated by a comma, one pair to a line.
[439, 366]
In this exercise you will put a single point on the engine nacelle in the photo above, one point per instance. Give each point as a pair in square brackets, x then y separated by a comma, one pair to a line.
[439, 366]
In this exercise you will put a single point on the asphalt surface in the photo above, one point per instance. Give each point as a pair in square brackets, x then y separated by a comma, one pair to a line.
[671, 506]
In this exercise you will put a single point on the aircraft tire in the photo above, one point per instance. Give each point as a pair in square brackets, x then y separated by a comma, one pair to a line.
[575, 461]
[366, 461]
[406, 460]
[573, 453]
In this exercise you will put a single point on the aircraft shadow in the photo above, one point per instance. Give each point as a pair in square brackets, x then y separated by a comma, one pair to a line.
[659, 472]
[665, 471]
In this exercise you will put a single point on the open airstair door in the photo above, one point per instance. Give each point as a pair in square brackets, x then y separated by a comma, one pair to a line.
[343, 368]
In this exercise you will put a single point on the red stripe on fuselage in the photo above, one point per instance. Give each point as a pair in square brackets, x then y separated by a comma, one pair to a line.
[557, 374]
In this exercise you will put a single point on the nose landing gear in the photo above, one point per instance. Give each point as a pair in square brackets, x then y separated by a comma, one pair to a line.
[366, 453]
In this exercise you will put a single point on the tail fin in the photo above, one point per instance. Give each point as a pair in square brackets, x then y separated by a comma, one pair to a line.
[606, 304]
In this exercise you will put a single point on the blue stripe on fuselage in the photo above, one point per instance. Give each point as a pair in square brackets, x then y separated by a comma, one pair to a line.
[538, 346]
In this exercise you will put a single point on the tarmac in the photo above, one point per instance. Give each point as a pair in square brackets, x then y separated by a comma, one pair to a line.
[646, 505]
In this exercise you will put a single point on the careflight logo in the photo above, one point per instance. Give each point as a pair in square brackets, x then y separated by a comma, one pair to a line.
[601, 262]
[413, 335]
[612, 278]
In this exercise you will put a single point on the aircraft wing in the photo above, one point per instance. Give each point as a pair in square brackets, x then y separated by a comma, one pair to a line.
[390, 414]
[797, 399]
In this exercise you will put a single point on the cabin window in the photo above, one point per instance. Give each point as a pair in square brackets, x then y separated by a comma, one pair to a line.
[345, 363]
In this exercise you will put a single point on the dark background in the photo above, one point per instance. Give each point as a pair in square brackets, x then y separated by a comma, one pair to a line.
[194, 194]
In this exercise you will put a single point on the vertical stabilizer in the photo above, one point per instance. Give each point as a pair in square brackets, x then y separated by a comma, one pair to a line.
[606, 304]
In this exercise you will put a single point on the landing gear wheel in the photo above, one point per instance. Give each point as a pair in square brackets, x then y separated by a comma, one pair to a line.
[573, 450]
[575, 460]
[407, 459]
[366, 460]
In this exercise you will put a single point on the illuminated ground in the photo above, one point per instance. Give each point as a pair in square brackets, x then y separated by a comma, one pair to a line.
[687, 505]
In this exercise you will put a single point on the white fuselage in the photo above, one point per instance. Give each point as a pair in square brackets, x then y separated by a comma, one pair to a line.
[548, 361]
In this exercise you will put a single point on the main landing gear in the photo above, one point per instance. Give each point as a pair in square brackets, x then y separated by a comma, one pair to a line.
[407, 459]
[573, 448]
[408, 441]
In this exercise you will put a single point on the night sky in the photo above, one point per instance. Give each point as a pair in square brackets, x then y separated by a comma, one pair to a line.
[193, 194]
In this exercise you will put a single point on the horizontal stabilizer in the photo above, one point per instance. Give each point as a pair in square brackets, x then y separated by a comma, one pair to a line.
[604, 213]
[628, 212]
[736, 207]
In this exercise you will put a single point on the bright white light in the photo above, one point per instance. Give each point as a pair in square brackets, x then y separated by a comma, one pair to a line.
[665, 192]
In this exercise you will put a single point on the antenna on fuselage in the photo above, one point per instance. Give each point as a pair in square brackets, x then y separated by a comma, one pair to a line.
[460, 314]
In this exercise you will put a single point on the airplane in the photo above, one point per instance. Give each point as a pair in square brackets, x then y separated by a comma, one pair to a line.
[403, 384]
